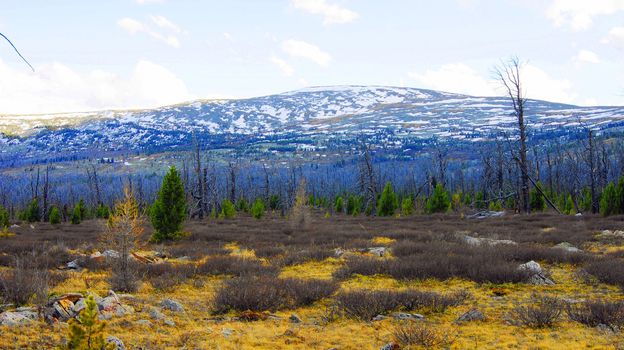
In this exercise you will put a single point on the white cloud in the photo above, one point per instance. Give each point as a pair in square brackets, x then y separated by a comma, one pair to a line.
[332, 13]
[302, 49]
[615, 37]
[460, 78]
[58, 88]
[165, 23]
[585, 56]
[133, 26]
[284, 67]
[579, 14]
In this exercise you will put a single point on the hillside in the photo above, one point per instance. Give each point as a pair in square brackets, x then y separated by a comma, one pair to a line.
[310, 119]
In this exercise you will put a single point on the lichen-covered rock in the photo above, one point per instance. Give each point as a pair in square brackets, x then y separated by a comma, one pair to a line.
[567, 247]
[170, 304]
[531, 267]
[407, 316]
[471, 315]
[17, 318]
[116, 343]
[156, 314]
[476, 241]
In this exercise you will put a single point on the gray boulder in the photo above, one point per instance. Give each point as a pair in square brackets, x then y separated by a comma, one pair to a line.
[17, 318]
[471, 315]
[170, 304]
[116, 342]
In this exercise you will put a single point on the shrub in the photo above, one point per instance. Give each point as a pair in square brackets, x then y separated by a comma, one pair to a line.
[4, 218]
[228, 210]
[294, 257]
[102, 211]
[86, 332]
[609, 271]
[166, 275]
[242, 205]
[55, 216]
[169, 210]
[32, 213]
[365, 304]
[439, 201]
[569, 206]
[300, 215]
[387, 202]
[407, 206]
[257, 209]
[609, 200]
[354, 205]
[75, 217]
[536, 199]
[541, 312]
[235, 266]
[24, 282]
[597, 312]
[82, 208]
[424, 335]
[339, 205]
[270, 293]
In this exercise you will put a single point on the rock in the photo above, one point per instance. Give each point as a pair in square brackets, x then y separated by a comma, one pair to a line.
[73, 265]
[609, 234]
[145, 323]
[227, 332]
[537, 276]
[486, 214]
[338, 252]
[32, 227]
[63, 309]
[17, 318]
[111, 254]
[169, 322]
[111, 305]
[578, 214]
[531, 267]
[294, 319]
[379, 251]
[475, 241]
[156, 314]
[170, 304]
[115, 342]
[567, 247]
[379, 318]
[471, 315]
[145, 258]
[15, 226]
[540, 279]
[406, 316]
[185, 258]
[390, 346]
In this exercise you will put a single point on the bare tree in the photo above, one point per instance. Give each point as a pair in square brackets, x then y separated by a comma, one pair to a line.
[508, 73]
[46, 192]
[367, 179]
[200, 186]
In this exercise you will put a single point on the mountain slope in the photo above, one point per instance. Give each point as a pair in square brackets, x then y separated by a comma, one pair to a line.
[316, 117]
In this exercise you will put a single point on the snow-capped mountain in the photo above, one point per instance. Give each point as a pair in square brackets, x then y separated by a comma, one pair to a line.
[309, 118]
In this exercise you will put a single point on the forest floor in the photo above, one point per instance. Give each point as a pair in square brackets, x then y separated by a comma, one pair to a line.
[419, 253]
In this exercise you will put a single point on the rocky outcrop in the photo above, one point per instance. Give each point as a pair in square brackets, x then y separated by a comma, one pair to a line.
[537, 275]
[477, 241]
[172, 305]
[471, 315]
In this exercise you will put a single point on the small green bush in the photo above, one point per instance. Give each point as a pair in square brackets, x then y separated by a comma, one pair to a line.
[257, 209]
[55, 216]
[228, 211]
[387, 202]
[439, 201]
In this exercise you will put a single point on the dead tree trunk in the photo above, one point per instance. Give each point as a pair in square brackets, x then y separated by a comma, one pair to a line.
[509, 75]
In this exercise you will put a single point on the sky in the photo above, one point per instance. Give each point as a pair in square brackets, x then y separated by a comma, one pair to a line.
[120, 54]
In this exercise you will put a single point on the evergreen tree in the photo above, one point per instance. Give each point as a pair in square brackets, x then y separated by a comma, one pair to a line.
[619, 192]
[339, 205]
[102, 211]
[86, 332]
[609, 200]
[228, 210]
[75, 217]
[82, 209]
[569, 206]
[387, 202]
[586, 200]
[257, 209]
[4, 218]
[242, 205]
[32, 213]
[536, 199]
[407, 206]
[55, 216]
[439, 201]
[480, 200]
[169, 210]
